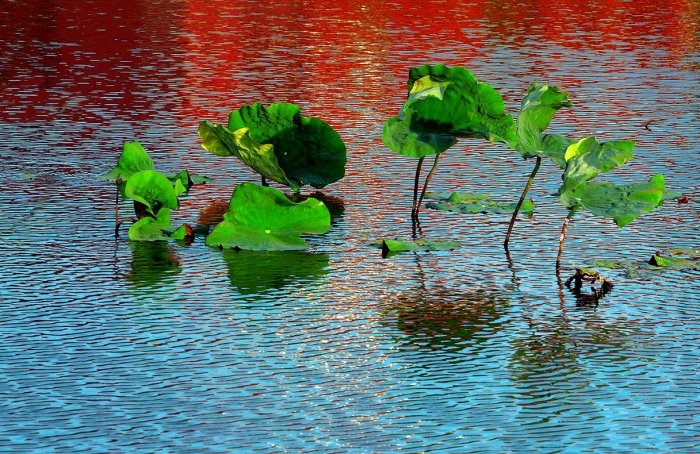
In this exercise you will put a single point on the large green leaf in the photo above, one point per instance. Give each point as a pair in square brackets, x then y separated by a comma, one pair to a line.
[308, 149]
[554, 147]
[259, 157]
[261, 218]
[133, 159]
[536, 111]
[152, 189]
[623, 204]
[445, 101]
[588, 158]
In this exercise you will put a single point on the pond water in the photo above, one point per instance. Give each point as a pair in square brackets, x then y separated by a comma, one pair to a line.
[116, 346]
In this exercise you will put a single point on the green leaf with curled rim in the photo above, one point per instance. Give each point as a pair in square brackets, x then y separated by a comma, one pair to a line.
[132, 160]
[264, 219]
[152, 229]
[623, 204]
[588, 158]
[259, 157]
[308, 149]
[443, 102]
[476, 203]
[398, 136]
[536, 111]
[554, 147]
[152, 189]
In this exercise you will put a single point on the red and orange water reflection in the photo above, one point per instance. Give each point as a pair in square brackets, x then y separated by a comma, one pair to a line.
[91, 61]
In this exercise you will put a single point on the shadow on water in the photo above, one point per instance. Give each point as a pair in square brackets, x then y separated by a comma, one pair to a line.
[257, 272]
[153, 263]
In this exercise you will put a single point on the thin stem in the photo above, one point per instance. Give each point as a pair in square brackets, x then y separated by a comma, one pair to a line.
[427, 180]
[522, 199]
[264, 181]
[562, 237]
[119, 224]
[415, 185]
[116, 215]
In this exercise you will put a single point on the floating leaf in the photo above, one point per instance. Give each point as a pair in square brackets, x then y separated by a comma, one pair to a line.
[152, 229]
[393, 245]
[477, 203]
[132, 160]
[444, 102]
[259, 157]
[307, 149]
[623, 204]
[152, 189]
[262, 218]
[588, 158]
[536, 111]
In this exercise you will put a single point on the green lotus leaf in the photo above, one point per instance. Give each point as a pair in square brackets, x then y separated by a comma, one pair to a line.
[259, 157]
[536, 111]
[398, 136]
[588, 158]
[623, 204]
[394, 245]
[152, 229]
[264, 219]
[445, 101]
[676, 263]
[476, 203]
[152, 189]
[258, 271]
[308, 149]
[554, 147]
[133, 159]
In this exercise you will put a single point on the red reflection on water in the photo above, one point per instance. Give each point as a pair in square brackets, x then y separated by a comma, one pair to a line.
[94, 61]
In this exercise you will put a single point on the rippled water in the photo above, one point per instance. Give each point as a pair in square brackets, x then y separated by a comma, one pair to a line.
[115, 346]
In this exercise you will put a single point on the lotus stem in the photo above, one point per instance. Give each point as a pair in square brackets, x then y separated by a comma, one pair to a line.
[120, 222]
[427, 180]
[530, 180]
[562, 237]
[264, 181]
[116, 215]
[415, 185]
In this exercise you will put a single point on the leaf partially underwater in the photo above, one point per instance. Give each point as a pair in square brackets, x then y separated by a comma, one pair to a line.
[264, 219]
[390, 246]
[623, 204]
[476, 203]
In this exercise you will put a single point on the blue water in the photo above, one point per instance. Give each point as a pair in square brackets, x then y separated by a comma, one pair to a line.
[112, 346]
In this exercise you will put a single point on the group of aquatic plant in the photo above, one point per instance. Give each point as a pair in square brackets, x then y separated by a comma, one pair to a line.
[445, 104]
[278, 143]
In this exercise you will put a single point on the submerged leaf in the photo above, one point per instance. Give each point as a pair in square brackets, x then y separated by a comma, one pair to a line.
[259, 157]
[152, 189]
[536, 111]
[262, 218]
[623, 204]
[308, 149]
[476, 203]
[133, 159]
[393, 245]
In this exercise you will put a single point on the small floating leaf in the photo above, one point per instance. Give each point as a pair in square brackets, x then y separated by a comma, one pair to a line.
[152, 229]
[477, 203]
[393, 245]
[132, 160]
[676, 263]
[264, 219]
[152, 189]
